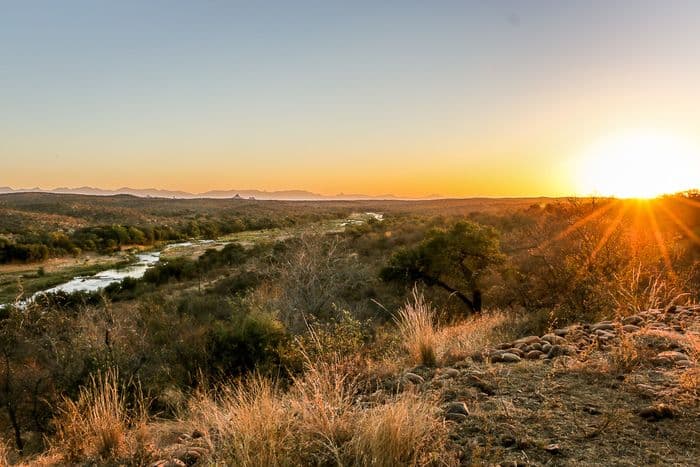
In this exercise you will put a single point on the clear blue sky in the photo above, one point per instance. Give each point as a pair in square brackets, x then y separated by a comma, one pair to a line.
[458, 98]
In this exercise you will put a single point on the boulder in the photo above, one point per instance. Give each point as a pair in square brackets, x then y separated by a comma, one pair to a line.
[506, 357]
[533, 355]
[519, 352]
[635, 320]
[672, 356]
[449, 373]
[169, 463]
[560, 350]
[604, 326]
[656, 412]
[456, 417]
[457, 407]
[527, 340]
[553, 339]
[413, 378]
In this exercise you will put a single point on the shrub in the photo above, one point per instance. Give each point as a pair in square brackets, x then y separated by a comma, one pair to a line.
[246, 342]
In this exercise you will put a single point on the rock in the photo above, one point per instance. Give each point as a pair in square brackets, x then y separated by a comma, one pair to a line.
[546, 347]
[169, 463]
[413, 378]
[477, 357]
[190, 456]
[506, 357]
[605, 335]
[603, 326]
[635, 320]
[560, 350]
[630, 328]
[591, 409]
[533, 355]
[656, 412]
[197, 434]
[553, 339]
[457, 408]
[671, 356]
[553, 448]
[527, 340]
[504, 346]
[450, 373]
[536, 346]
[508, 441]
[481, 385]
[516, 351]
[456, 417]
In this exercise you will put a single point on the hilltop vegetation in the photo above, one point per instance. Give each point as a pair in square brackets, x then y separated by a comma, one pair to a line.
[393, 342]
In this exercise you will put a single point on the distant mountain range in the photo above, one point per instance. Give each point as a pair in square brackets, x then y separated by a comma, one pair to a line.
[297, 195]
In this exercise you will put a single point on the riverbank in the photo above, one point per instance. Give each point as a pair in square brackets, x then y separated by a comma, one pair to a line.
[26, 279]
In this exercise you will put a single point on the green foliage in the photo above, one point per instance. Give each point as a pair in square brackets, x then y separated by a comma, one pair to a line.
[454, 259]
[246, 342]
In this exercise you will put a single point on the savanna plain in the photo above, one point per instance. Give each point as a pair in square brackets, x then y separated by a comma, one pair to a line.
[531, 331]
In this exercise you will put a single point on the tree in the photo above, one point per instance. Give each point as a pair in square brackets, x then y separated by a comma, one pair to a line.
[453, 259]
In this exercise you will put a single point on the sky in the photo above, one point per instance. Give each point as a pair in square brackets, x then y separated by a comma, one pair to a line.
[414, 98]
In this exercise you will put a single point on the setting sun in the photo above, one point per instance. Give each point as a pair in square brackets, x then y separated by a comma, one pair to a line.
[638, 164]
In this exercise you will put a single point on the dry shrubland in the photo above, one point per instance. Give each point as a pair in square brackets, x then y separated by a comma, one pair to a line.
[301, 351]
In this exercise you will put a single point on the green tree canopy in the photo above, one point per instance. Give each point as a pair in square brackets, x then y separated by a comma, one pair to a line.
[453, 259]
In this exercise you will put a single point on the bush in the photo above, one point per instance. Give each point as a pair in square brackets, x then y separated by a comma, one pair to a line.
[245, 343]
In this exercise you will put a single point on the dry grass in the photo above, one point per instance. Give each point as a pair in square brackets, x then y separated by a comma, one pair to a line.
[416, 326]
[323, 404]
[4, 452]
[471, 336]
[316, 422]
[247, 424]
[403, 432]
[99, 425]
[638, 292]
[627, 355]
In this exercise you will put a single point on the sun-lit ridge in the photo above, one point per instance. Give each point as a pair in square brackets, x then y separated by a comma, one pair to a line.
[638, 164]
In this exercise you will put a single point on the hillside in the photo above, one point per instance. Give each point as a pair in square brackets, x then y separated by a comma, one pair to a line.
[617, 392]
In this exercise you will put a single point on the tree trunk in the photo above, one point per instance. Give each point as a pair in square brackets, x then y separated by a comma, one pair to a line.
[15, 426]
[476, 299]
[458, 294]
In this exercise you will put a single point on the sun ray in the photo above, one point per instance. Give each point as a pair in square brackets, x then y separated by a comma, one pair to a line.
[609, 231]
[690, 202]
[584, 220]
[659, 239]
[676, 220]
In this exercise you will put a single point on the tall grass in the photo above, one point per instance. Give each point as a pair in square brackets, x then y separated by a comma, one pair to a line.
[474, 335]
[416, 326]
[322, 401]
[640, 291]
[247, 424]
[99, 425]
[316, 422]
[403, 432]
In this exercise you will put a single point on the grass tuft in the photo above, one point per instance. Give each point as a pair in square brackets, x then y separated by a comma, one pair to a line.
[417, 330]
